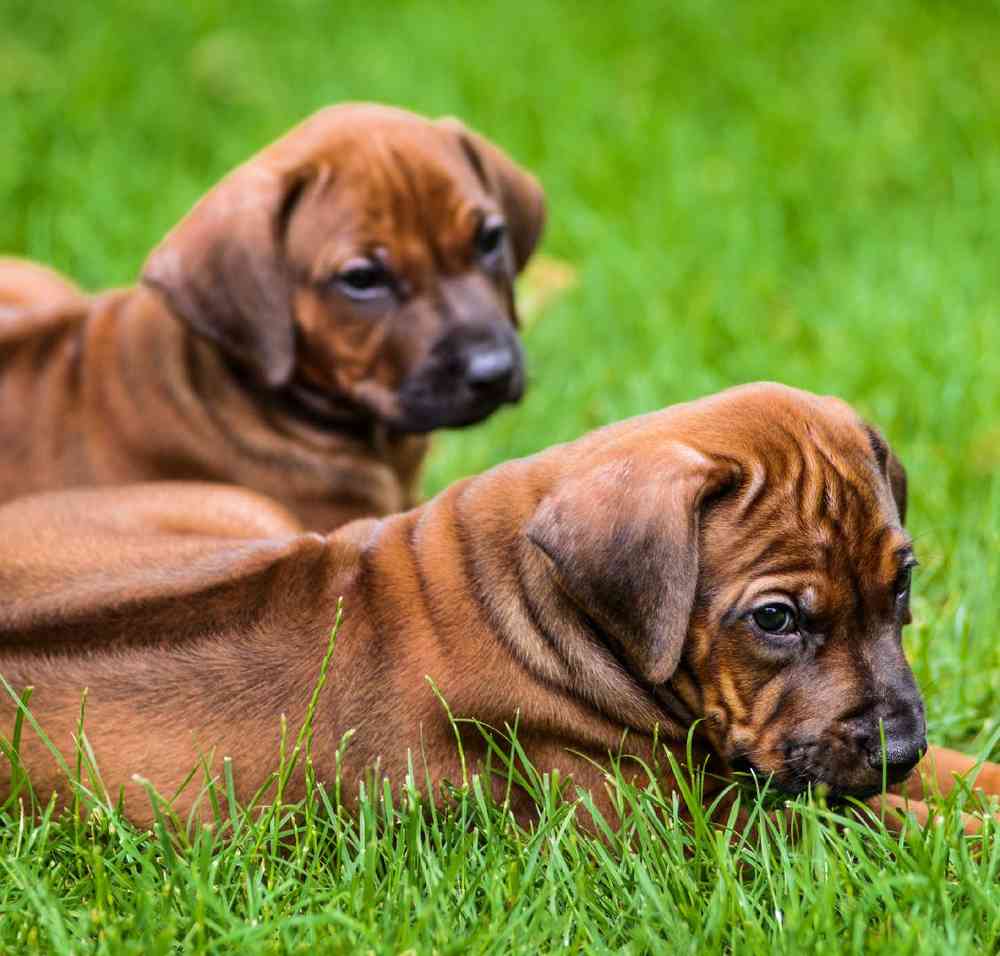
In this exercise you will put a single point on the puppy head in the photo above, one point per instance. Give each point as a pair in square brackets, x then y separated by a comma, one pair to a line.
[364, 263]
[744, 557]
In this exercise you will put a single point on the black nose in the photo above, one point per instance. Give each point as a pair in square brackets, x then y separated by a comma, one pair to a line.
[900, 754]
[490, 369]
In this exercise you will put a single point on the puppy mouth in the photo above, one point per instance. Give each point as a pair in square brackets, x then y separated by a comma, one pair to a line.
[419, 411]
[419, 418]
[423, 409]
[793, 780]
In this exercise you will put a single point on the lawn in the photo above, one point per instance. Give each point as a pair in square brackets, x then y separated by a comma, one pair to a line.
[801, 192]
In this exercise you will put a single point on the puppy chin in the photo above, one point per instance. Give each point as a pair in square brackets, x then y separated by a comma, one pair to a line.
[419, 420]
[425, 413]
[852, 782]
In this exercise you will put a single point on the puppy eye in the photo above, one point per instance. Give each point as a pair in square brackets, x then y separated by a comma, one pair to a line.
[490, 236]
[903, 581]
[362, 279]
[775, 618]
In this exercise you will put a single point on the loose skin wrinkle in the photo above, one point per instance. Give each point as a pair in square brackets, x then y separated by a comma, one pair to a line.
[601, 591]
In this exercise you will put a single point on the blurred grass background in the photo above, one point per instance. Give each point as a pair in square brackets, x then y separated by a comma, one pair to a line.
[801, 192]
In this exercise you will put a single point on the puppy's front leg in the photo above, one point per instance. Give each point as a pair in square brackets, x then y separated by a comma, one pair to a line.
[940, 769]
[938, 773]
[894, 810]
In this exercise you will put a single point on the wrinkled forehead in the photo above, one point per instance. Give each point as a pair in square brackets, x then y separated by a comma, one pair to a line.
[813, 513]
[426, 173]
[386, 185]
[372, 148]
[830, 482]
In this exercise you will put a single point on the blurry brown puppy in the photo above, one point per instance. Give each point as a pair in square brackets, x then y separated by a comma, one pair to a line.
[738, 561]
[343, 293]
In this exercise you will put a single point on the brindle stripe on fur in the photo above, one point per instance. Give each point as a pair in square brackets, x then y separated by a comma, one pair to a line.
[685, 685]
[776, 704]
[729, 694]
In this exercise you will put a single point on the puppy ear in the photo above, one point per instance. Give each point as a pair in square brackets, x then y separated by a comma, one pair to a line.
[897, 482]
[624, 549]
[221, 269]
[892, 468]
[520, 193]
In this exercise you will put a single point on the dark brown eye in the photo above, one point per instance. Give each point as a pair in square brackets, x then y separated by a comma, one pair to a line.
[490, 236]
[362, 279]
[775, 618]
[903, 582]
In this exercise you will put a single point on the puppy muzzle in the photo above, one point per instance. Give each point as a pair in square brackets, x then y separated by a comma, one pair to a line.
[467, 377]
[854, 757]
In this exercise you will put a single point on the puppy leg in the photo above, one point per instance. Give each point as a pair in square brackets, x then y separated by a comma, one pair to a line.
[894, 809]
[939, 770]
[937, 774]
[217, 510]
[144, 509]
[28, 285]
[102, 563]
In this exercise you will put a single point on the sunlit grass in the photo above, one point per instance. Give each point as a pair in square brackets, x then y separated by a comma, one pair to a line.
[395, 871]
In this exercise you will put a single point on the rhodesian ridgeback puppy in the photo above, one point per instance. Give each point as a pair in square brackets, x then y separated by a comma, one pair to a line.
[343, 293]
[737, 565]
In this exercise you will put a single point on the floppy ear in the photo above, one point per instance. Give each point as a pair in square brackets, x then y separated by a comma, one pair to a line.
[896, 474]
[624, 549]
[892, 468]
[520, 193]
[221, 269]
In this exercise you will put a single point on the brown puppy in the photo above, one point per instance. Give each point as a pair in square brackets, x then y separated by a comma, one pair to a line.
[738, 561]
[347, 290]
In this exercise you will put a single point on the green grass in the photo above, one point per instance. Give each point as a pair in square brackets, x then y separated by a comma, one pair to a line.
[802, 192]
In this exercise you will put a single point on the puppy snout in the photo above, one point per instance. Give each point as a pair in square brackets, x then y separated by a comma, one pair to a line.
[897, 745]
[900, 756]
[490, 369]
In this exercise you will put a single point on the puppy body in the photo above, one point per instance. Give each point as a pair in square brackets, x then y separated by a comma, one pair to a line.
[330, 302]
[27, 285]
[193, 647]
[116, 389]
[594, 594]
